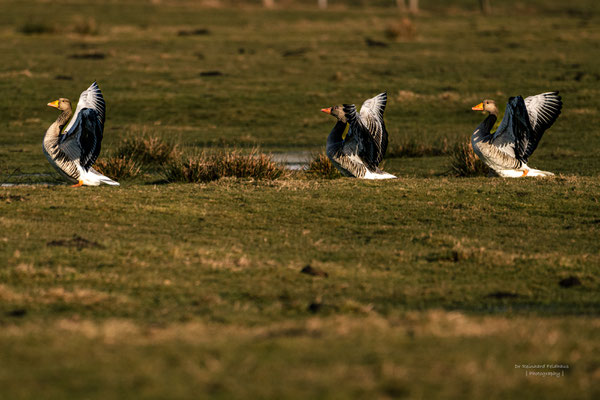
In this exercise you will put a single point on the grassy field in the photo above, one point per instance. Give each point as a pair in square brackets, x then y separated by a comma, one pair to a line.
[429, 286]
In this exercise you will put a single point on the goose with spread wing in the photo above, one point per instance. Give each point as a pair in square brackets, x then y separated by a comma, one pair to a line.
[74, 150]
[507, 150]
[359, 153]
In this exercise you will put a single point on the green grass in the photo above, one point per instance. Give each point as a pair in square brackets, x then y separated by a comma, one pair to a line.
[436, 286]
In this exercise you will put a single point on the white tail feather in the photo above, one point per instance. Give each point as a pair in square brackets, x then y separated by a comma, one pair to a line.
[537, 172]
[517, 173]
[95, 178]
[382, 175]
[109, 181]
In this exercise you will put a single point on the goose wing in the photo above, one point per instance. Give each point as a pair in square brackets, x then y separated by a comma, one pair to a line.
[82, 137]
[512, 133]
[368, 129]
[543, 110]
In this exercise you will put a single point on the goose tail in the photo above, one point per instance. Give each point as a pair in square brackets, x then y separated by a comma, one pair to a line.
[537, 172]
[108, 181]
[379, 174]
[96, 178]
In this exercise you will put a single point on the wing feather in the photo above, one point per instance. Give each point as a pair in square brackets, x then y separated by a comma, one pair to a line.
[90, 98]
[368, 129]
[372, 112]
[504, 138]
[82, 138]
[515, 132]
[543, 110]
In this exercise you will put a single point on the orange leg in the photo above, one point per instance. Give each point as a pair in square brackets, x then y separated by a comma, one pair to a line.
[79, 184]
[525, 173]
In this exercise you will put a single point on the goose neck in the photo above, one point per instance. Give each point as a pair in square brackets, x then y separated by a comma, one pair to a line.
[64, 117]
[484, 129]
[335, 136]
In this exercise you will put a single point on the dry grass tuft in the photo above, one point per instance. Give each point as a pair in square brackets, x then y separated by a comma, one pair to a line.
[118, 167]
[464, 162]
[148, 150]
[412, 148]
[206, 168]
[404, 29]
[85, 26]
[406, 95]
[321, 167]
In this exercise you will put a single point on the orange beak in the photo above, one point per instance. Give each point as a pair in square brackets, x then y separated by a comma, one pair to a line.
[326, 110]
[54, 104]
[478, 107]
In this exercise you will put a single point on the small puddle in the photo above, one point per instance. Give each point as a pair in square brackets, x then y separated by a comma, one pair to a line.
[293, 160]
[6, 184]
[36, 179]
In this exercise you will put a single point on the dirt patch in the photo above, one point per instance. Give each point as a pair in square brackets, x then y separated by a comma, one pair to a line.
[294, 52]
[502, 295]
[310, 270]
[77, 242]
[94, 55]
[9, 198]
[211, 73]
[193, 32]
[375, 43]
[569, 282]
[17, 313]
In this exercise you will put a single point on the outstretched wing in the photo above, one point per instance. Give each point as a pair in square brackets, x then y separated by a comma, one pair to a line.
[542, 109]
[368, 129]
[514, 134]
[83, 135]
[504, 137]
[371, 113]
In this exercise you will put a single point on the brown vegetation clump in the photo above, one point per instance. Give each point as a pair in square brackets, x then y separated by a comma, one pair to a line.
[464, 161]
[80, 25]
[118, 167]
[36, 28]
[85, 26]
[401, 30]
[412, 149]
[206, 168]
[321, 167]
[148, 150]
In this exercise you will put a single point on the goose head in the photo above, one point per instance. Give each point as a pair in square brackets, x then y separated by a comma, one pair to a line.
[62, 104]
[487, 105]
[336, 111]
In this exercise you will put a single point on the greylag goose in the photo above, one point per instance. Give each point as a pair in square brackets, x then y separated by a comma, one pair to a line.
[507, 150]
[360, 152]
[73, 152]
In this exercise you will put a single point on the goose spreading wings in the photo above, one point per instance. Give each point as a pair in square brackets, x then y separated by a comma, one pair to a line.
[73, 152]
[360, 152]
[507, 150]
